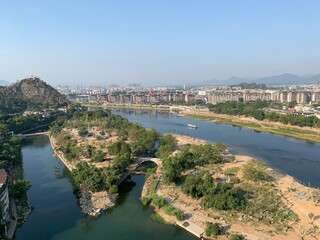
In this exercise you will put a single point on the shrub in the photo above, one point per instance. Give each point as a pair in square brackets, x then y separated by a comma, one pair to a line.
[255, 171]
[158, 201]
[173, 211]
[213, 229]
[236, 237]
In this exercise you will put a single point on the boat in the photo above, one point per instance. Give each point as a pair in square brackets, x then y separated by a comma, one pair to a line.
[192, 126]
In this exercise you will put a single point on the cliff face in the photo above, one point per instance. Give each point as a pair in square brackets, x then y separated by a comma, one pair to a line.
[31, 91]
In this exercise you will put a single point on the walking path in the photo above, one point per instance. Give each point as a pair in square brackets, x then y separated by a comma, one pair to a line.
[13, 223]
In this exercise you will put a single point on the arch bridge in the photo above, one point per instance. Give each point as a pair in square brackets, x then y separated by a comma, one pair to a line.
[141, 160]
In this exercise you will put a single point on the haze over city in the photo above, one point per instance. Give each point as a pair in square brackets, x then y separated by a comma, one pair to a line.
[157, 42]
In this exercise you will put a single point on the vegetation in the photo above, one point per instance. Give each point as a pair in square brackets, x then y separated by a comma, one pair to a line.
[213, 229]
[263, 198]
[88, 175]
[25, 95]
[255, 171]
[316, 196]
[253, 85]
[132, 140]
[236, 237]
[255, 110]
[167, 146]
[21, 124]
[18, 189]
[11, 161]
[261, 126]
[173, 211]
[190, 157]
[113, 175]
[224, 197]
[157, 200]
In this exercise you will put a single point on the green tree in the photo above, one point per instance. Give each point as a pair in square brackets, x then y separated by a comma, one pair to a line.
[213, 229]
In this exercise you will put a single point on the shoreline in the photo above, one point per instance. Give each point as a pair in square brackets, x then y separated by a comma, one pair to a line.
[59, 154]
[146, 107]
[283, 182]
[301, 133]
[294, 195]
[92, 203]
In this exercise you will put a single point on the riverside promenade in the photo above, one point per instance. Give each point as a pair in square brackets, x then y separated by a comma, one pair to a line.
[60, 155]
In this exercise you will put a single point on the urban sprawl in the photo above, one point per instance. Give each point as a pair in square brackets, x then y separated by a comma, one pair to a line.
[305, 97]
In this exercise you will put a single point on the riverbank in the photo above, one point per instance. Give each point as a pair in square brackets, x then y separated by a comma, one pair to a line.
[293, 195]
[305, 133]
[130, 106]
[91, 203]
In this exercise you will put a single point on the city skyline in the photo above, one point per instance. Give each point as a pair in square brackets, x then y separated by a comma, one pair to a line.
[158, 43]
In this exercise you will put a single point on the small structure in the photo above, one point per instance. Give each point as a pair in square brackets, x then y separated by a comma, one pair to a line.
[191, 227]
[4, 195]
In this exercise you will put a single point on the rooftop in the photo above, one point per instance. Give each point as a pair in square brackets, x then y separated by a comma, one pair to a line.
[3, 177]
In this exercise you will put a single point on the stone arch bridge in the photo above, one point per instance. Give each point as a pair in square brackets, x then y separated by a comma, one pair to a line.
[148, 159]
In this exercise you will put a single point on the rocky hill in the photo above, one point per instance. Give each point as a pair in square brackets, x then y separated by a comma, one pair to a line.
[29, 93]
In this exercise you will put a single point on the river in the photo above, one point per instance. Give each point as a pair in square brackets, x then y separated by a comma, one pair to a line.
[57, 215]
[298, 158]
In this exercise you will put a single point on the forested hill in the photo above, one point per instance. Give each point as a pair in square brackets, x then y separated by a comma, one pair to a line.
[29, 93]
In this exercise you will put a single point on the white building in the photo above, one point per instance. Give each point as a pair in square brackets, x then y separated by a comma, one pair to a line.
[4, 195]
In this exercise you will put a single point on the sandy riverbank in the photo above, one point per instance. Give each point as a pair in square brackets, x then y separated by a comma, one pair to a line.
[294, 195]
[305, 133]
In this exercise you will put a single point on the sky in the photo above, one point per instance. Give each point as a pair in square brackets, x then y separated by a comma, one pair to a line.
[154, 42]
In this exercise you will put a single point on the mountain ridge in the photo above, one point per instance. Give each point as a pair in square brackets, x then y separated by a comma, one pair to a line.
[5, 83]
[280, 79]
[29, 93]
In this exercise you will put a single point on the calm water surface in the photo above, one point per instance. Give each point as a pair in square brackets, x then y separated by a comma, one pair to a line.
[56, 213]
[297, 158]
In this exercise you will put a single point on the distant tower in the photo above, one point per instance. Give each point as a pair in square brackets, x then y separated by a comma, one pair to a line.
[184, 87]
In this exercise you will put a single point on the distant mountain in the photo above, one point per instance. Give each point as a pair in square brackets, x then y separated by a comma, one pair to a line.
[30, 93]
[4, 83]
[235, 80]
[282, 79]
[314, 79]
[285, 78]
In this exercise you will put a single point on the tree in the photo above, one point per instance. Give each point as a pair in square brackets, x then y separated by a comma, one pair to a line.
[19, 188]
[172, 169]
[213, 229]
[236, 237]
[255, 171]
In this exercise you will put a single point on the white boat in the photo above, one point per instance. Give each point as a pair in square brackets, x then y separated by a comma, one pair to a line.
[192, 126]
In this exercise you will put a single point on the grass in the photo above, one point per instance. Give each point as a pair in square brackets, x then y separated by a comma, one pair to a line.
[173, 211]
[265, 205]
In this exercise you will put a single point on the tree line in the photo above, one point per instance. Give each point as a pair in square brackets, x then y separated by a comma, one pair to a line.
[256, 110]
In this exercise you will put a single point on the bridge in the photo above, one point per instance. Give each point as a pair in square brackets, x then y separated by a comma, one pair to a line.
[148, 159]
[32, 134]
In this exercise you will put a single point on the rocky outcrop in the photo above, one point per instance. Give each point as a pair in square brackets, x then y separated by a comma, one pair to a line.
[32, 91]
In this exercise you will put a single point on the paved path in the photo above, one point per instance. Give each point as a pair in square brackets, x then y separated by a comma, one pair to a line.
[13, 223]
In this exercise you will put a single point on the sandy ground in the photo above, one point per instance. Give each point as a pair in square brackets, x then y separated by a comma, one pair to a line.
[295, 195]
[91, 203]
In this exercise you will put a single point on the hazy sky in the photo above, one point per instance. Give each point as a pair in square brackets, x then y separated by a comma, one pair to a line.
[157, 41]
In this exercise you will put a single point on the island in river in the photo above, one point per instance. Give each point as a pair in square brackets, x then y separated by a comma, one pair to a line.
[195, 181]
